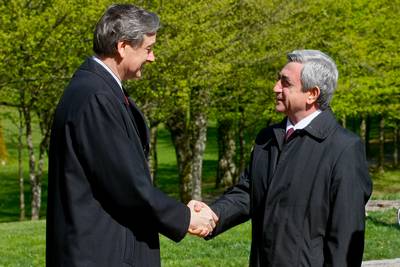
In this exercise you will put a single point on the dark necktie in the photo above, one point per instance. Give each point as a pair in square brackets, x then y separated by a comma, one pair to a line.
[288, 134]
[126, 97]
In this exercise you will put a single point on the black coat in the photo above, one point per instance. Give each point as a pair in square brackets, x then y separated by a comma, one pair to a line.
[306, 198]
[102, 207]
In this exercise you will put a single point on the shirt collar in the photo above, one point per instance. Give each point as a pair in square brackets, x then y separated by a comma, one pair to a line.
[108, 69]
[303, 122]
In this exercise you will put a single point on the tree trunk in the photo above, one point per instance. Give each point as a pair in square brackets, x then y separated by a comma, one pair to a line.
[153, 161]
[35, 174]
[344, 121]
[3, 148]
[226, 173]
[381, 144]
[35, 185]
[363, 128]
[395, 144]
[20, 172]
[188, 127]
[367, 135]
[199, 138]
[242, 161]
[176, 125]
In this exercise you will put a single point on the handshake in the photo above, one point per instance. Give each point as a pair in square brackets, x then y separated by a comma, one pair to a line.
[202, 219]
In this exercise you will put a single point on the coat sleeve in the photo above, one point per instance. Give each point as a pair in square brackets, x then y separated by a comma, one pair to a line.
[350, 191]
[117, 170]
[233, 207]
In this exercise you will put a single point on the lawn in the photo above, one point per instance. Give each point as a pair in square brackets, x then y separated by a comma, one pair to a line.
[23, 244]
[386, 185]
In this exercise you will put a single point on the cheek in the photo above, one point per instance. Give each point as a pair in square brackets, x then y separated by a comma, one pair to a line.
[135, 63]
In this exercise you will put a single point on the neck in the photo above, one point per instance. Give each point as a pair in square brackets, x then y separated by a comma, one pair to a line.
[295, 118]
[112, 64]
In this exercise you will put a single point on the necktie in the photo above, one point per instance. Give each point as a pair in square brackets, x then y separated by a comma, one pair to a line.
[126, 97]
[288, 134]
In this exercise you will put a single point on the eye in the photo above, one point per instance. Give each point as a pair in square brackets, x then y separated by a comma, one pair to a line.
[287, 84]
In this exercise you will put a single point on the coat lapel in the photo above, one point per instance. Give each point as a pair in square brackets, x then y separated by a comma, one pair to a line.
[140, 125]
[133, 111]
[279, 184]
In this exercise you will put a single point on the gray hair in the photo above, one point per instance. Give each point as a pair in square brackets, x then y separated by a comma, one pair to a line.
[318, 70]
[123, 22]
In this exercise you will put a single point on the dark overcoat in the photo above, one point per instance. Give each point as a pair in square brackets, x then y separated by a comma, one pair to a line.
[305, 197]
[102, 207]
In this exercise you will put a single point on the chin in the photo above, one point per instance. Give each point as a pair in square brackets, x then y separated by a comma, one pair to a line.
[280, 109]
[135, 76]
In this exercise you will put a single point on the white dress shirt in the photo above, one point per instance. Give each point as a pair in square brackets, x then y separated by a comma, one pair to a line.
[109, 70]
[303, 122]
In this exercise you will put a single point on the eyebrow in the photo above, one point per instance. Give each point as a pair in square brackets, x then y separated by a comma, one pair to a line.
[283, 77]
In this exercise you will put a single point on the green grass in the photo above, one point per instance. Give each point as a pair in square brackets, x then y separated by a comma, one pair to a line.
[23, 244]
[386, 185]
[382, 237]
[229, 249]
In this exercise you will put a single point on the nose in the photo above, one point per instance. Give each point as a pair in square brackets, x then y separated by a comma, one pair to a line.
[278, 87]
[150, 56]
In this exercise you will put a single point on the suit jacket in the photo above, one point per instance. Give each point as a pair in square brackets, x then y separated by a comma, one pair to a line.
[306, 198]
[102, 207]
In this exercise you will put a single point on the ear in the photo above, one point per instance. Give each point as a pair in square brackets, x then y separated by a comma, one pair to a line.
[121, 48]
[313, 95]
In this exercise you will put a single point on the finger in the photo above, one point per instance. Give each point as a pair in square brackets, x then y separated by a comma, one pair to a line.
[201, 232]
[190, 204]
[204, 232]
[209, 227]
[198, 206]
[214, 216]
[212, 223]
[197, 231]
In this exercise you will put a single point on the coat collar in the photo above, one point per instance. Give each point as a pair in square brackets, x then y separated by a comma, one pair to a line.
[94, 67]
[319, 128]
[134, 112]
[322, 125]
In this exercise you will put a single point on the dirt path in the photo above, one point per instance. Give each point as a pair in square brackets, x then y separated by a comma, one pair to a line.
[374, 205]
[382, 263]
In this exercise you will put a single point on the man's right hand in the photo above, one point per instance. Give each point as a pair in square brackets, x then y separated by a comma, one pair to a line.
[202, 219]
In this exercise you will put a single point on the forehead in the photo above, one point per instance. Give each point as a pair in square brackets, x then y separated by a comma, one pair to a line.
[149, 40]
[292, 70]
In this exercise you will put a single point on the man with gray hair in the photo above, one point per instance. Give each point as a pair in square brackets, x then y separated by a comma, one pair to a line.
[102, 207]
[307, 184]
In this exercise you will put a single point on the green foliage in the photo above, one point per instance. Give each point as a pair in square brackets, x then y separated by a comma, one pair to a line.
[42, 43]
[40, 46]
[230, 49]
[233, 50]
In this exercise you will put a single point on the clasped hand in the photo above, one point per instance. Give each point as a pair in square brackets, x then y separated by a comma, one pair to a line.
[202, 218]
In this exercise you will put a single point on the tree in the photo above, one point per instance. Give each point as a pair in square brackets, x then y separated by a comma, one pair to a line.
[3, 148]
[33, 35]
